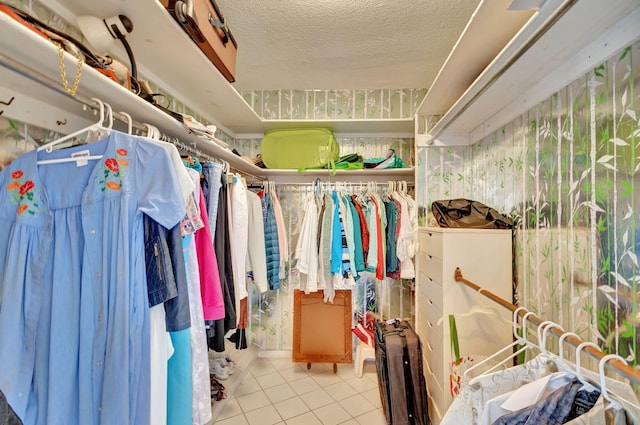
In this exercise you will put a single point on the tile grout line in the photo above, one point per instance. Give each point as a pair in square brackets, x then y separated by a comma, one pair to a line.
[307, 374]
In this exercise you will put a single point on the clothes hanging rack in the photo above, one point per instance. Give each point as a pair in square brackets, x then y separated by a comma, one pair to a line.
[332, 182]
[177, 131]
[617, 366]
[53, 85]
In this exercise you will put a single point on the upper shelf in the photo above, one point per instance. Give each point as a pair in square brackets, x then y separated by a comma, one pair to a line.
[561, 42]
[47, 105]
[166, 54]
[26, 58]
[29, 73]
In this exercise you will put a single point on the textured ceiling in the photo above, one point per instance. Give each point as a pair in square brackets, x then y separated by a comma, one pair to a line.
[343, 44]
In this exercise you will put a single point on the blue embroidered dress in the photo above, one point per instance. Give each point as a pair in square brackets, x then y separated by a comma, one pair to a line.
[74, 334]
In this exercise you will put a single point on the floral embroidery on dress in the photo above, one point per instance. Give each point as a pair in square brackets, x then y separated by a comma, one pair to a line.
[114, 170]
[23, 193]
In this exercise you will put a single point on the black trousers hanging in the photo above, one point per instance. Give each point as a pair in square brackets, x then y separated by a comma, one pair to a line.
[223, 253]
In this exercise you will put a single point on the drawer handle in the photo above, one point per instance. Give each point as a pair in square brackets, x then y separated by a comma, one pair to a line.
[429, 301]
[429, 346]
[429, 324]
[429, 369]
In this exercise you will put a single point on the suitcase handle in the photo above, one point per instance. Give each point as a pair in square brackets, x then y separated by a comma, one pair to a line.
[216, 23]
[222, 24]
[186, 16]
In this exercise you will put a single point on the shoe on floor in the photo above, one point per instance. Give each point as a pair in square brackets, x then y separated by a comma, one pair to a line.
[219, 371]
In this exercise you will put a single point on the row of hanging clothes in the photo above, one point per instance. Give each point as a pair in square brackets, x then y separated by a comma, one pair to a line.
[255, 246]
[112, 293]
[546, 389]
[353, 236]
[348, 231]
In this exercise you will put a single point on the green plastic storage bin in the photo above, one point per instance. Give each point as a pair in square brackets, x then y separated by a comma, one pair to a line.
[300, 149]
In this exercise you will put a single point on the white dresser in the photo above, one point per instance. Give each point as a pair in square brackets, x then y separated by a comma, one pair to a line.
[484, 256]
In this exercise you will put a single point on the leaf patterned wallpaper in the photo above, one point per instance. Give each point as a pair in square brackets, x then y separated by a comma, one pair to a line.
[568, 171]
[334, 104]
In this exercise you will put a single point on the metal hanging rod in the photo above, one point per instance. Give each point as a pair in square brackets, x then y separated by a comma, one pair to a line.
[380, 185]
[47, 82]
[53, 85]
[617, 366]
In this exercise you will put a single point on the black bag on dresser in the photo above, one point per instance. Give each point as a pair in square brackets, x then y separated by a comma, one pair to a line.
[400, 374]
[466, 213]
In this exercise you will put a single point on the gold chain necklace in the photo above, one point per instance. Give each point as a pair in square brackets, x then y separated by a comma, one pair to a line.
[63, 73]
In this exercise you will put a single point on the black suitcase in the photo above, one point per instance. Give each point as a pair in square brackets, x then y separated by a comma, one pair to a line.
[400, 374]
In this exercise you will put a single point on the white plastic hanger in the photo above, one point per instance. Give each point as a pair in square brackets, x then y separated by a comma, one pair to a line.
[93, 127]
[128, 121]
[561, 341]
[542, 334]
[585, 384]
[109, 116]
[105, 110]
[152, 131]
[543, 345]
[69, 159]
[477, 309]
[614, 403]
[603, 380]
[520, 340]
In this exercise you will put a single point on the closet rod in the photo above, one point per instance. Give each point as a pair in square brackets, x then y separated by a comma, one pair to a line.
[381, 184]
[51, 84]
[617, 366]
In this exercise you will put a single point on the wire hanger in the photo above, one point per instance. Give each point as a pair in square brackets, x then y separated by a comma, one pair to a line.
[519, 340]
[93, 127]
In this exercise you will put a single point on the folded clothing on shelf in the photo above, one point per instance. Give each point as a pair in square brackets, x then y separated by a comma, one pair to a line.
[391, 161]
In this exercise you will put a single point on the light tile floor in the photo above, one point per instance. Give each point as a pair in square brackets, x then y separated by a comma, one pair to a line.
[279, 391]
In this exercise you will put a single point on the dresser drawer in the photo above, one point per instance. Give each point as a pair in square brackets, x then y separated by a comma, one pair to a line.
[429, 315]
[432, 330]
[430, 243]
[431, 266]
[431, 288]
[434, 411]
[432, 352]
[423, 324]
[435, 388]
